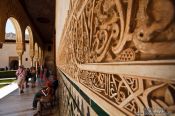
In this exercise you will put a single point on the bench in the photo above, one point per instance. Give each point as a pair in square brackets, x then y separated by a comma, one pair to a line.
[46, 103]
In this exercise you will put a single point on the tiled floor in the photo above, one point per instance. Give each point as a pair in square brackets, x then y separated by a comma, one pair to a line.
[18, 105]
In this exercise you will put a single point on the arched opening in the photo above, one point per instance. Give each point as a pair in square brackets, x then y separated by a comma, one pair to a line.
[17, 30]
[26, 54]
[13, 37]
[14, 65]
[26, 34]
[13, 62]
[10, 31]
[9, 46]
[31, 42]
[19, 39]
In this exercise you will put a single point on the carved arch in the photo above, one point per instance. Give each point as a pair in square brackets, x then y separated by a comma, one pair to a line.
[19, 36]
[17, 29]
[31, 42]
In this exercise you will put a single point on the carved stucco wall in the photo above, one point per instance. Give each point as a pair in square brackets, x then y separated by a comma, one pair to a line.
[121, 54]
[13, 9]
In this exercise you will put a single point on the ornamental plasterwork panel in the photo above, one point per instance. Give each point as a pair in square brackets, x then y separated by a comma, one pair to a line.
[102, 32]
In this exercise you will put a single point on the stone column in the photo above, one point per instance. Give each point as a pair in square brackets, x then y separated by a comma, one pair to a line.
[39, 56]
[20, 51]
[36, 57]
[20, 59]
[2, 32]
[36, 63]
[31, 58]
[31, 52]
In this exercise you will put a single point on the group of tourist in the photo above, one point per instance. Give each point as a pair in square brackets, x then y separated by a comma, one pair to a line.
[41, 75]
[47, 81]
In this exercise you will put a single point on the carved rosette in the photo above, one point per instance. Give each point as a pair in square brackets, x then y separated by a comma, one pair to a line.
[19, 48]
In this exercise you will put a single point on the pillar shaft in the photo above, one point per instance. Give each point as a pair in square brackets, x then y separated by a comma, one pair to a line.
[31, 62]
[36, 63]
[20, 60]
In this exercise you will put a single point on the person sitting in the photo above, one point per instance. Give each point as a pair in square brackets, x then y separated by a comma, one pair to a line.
[54, 84]
[54, 87]
[45, 93]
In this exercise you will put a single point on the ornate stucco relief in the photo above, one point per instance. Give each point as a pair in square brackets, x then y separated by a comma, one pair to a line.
[126, 32]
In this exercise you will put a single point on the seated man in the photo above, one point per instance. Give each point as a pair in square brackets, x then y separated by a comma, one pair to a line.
[45, 93]
[54, 84]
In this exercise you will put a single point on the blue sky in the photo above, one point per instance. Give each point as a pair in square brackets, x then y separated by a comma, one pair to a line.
[9, 27]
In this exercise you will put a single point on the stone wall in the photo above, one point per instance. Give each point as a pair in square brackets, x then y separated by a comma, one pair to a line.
[120, 53]
[9, 50]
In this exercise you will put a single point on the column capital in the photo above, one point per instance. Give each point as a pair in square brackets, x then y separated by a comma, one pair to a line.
[19, 48]
[31, 57]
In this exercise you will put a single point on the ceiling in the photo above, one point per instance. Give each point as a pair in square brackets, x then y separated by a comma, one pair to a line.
[42, 15]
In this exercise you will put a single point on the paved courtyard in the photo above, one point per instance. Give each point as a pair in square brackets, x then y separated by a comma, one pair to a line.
[20, 105]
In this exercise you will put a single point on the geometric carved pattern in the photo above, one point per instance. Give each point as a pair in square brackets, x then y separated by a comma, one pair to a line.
[126, 55]
[106, 31]
[132, 106]
[131, 94]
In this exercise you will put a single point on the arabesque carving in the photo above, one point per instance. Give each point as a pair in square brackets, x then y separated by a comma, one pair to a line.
[107, 31]
[155, 34]
[131, 94]
[105, 28]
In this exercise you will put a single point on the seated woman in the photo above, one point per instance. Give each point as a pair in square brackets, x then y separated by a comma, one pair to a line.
[45, 93]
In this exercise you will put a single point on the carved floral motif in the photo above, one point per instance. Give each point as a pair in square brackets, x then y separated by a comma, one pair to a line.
[105, 28]
[121, 30]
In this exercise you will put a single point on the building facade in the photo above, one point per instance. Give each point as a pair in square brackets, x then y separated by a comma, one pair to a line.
[9, 57]
[8, 54]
